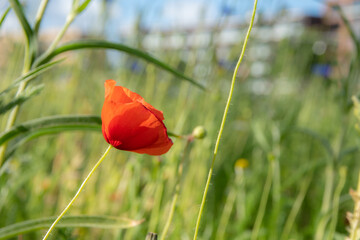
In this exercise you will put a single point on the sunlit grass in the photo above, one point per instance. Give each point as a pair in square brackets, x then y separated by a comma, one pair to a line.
[284, 136]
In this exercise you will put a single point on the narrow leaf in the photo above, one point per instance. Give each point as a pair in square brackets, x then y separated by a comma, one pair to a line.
[105, 222]
[40, 15]
[83, 6]
[20, 99]
[35, 72]
[4, 16]
[115, 46]
[16, 6]
[30, 75]
[48, 122]
[48, 131]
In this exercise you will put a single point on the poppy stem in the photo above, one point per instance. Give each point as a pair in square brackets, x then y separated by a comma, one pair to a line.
[223, 122]
[77, 193]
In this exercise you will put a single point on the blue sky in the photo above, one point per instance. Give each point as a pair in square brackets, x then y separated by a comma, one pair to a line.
[156, 13]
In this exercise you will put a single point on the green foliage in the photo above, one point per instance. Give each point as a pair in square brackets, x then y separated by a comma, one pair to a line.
[3, 16]
[296, 136]
[67, 222]
[98, 44]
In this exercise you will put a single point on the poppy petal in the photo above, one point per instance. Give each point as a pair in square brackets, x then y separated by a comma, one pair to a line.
[129, 123]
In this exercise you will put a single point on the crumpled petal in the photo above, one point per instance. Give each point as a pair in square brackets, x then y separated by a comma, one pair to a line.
[131, 124]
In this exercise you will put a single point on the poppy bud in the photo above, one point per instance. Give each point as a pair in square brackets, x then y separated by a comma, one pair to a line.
[131, 124]
[199, 132]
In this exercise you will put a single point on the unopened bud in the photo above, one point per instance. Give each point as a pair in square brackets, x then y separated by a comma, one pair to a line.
[199, 132]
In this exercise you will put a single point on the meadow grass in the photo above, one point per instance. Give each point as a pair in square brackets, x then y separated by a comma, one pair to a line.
[301, 146]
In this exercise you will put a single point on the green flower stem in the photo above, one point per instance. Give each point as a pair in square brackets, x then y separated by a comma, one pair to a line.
[70, 18]
[263, 201]
[336, 201]
[326, 202]
[13, 114]
[26, 68]
[354, 218]
[77, 193]
[28, 60]
[171, 214]
[295, 208]
[4, 15]
[154, 218]
[223, 122]
[229, 205]
[40, 15]
[177, 190]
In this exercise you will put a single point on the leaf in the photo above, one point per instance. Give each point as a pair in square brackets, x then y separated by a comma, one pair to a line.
[81, 44]
[47, 123]
[68, 221]
[16, 6]
[82, 6]
[31, 75]
[47, 131]
[20, 99]
[4, 16]
[36, 72]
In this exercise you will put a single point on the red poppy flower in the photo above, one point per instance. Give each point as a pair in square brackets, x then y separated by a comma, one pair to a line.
[131, 124]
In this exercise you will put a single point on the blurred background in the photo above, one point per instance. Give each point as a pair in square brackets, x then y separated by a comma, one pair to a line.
[175, 26]
[289, 153]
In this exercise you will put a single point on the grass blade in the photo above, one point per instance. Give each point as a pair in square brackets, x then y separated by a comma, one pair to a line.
[59, 122]
[68, 221]
[4, 16]
[83, 44]
[82, 6]
[40, 15]
[48, 131]
[15, 4]
[20, 99]
[36, 72]
[31, 75]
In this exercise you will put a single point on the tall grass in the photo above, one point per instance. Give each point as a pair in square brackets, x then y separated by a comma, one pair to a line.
[297, 142]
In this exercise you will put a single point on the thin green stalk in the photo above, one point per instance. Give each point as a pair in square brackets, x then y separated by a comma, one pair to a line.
[28, 58]
[295, 208]
[40, 15]
[77, 193]
[154, 217]
[263, 202]
[171, 214]
[70, 18]
[13, 114]
[177, 190]
[324, 218]
[336, 200]
[26, 68]
[229, 205]
[354, 218]
[4, 15]
[276, 200]
[223, 122]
